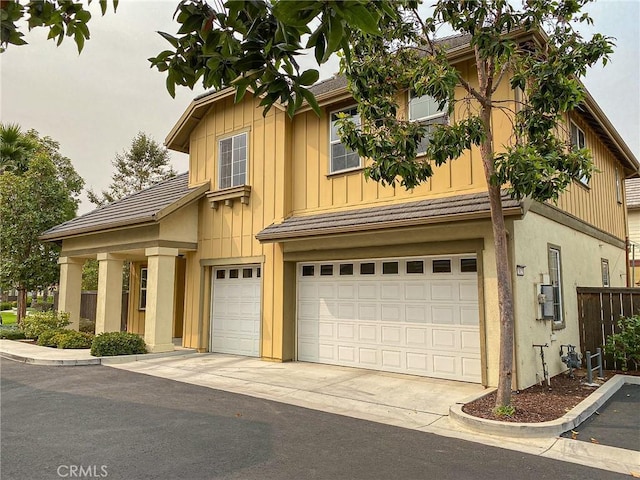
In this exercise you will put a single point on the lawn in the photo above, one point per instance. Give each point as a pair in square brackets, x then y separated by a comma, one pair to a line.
[8, 317]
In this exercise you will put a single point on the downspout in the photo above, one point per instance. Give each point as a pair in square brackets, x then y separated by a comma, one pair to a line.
[626, 252]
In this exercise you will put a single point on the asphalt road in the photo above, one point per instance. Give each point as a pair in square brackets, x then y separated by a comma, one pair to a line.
[98, 422]
[617, 423]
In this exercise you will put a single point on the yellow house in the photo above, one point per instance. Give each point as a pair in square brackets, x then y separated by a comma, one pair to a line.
[275, 245]
[632, 189]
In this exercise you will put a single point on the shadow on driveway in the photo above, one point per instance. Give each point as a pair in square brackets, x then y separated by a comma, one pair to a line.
[618, 421]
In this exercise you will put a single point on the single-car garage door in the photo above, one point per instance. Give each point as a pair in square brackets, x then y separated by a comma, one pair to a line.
[235, 310]
[407, 315]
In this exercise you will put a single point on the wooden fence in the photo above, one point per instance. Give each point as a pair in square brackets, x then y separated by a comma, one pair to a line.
[599, 310]
[89, 305]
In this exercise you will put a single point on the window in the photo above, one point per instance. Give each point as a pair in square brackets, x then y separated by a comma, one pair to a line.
[578, 141]
[441, 266]
[468, 265]
[307, 270]
[367, 269]
[247, 273]
[618, 187]
[415, 266]
[220, 274]
[142, 304]
[555, 276]
[342, 158]
[604, 263]
[389, 268]
[326, 269]
[346, 269]
[425, 110]
[232, 161]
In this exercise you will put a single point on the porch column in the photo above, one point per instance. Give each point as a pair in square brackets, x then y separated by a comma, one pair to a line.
[158, 322]
[109, 308]
[70, 289]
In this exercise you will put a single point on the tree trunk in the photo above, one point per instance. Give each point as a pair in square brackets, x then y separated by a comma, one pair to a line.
[505, 290]
[22, 305]
[45, 294]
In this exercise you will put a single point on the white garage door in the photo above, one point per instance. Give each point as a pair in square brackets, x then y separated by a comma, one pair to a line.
[235, 310]
[407, 315]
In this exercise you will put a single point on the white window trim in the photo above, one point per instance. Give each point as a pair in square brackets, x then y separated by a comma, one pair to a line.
[428, 120]
[558, 323]
[582, 180]
[143, 289]
[246, 160]
[604, 266]
[335, 142]
[618, 186]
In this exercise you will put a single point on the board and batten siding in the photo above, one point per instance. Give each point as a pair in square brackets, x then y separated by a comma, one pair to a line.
[315, 190]
[228, 232]
[597, 204]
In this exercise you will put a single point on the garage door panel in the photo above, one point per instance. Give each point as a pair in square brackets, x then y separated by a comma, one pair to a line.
[417, 337]
[398, 318]
[469, 315]
[368, 333]
[391, 334]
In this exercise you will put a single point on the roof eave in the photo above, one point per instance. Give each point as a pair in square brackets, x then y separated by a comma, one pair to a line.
[192, 196]
[135, 222]
[415, 222]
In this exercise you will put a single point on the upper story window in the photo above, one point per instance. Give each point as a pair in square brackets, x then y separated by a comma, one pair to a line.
[342, 157]
[578, 140]
[232, 161]
[425, 110]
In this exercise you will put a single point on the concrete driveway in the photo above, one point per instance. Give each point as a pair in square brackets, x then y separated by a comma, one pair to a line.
[395, 399]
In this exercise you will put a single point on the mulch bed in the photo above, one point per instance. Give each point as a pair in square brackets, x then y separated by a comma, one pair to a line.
[540, 403]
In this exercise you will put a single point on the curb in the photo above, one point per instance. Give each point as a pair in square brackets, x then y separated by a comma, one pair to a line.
[95, 360]
[552, 428]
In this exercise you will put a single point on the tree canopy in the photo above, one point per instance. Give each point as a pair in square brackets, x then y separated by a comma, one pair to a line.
[144, 164]
[40, 194]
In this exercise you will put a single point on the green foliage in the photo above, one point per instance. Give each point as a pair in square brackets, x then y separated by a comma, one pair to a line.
[90, 274]
[143, 165]
[117, 343]
[87, 326]
[6, 305]
[37, 323]
[504, 411]
[48, 337]
[63, 18]
[625, 345]
[70, 339]
[39, 189]
[11, 332]
[63, 338]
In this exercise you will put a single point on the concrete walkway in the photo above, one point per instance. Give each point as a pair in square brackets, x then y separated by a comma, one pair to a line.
[406, 401]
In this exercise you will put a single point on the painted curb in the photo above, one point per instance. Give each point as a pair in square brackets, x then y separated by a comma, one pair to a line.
[552, 428]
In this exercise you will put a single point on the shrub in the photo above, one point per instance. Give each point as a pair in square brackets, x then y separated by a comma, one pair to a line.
[35, 324]
[5, 306]
[117, 343]
[625, 345]
[73, 339]
[48, 338]
[87, 326]
[41, 306]
[11, 332]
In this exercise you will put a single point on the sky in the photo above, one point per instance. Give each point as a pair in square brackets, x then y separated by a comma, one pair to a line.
[94, 103]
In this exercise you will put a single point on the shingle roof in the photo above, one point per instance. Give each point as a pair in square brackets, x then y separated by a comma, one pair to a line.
[632, 188]
[372, 218]
[141, 207]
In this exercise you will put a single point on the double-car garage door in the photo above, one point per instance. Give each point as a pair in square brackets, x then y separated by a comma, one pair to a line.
[408, 315]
